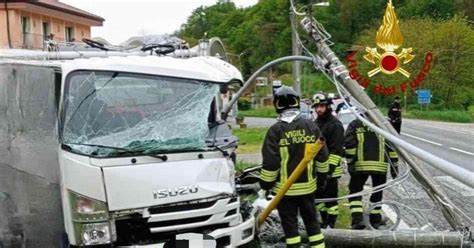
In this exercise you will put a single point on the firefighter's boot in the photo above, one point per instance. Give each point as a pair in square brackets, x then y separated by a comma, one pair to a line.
[357, 221]
[324, 219]
[376, 221]
[331, 220]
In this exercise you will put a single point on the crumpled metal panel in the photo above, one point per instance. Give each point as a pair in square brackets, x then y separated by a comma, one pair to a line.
[136, 113]
[30, 203]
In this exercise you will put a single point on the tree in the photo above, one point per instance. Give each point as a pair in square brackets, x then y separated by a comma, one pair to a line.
[452, 44]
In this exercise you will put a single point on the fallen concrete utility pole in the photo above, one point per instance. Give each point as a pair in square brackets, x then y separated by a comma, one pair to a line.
[384, 239]
[335, 68]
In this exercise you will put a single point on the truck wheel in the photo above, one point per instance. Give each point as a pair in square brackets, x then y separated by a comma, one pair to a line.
[64, 241]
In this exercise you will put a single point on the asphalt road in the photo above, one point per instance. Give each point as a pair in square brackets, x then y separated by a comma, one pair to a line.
[451, 141]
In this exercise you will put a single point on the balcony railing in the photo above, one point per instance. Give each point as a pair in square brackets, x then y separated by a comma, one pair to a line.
[37, 41]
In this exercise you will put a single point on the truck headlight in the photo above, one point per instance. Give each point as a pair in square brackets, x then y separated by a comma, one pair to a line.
[96, 233]
[86, 209]
[91, 220]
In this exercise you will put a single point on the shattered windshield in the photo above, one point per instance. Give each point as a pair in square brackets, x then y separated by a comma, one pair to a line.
[113, 112]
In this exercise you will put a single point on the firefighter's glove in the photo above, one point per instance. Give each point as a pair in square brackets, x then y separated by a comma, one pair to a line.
[332, 168]
[350, 160]
[321, 181]
[351, 167]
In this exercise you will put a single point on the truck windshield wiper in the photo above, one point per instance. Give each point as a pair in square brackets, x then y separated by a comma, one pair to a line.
[123, 150]
[224, 152]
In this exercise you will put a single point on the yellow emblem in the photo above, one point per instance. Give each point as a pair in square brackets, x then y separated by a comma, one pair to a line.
[389, 38]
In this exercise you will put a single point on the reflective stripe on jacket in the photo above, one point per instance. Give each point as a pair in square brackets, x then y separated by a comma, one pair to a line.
[368, 151]
[333, 131]
[283, 149]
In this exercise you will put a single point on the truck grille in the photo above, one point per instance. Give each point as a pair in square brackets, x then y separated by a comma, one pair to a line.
[137, 232]
[179, 222]
[179, 208]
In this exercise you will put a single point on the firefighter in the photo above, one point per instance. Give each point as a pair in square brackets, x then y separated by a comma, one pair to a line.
[395, 114]
[283, 149]
[367, 155]
[333, 131]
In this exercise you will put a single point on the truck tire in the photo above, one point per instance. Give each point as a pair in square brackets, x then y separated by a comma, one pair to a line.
[64, 241]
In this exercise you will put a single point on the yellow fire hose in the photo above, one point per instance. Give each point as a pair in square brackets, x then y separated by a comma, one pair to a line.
[311, 150]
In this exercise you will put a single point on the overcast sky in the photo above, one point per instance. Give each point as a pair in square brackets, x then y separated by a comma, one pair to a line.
[124, 19]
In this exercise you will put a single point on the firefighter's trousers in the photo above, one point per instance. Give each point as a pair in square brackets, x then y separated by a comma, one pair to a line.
[288, 210]
[329, 210]
[356, 184]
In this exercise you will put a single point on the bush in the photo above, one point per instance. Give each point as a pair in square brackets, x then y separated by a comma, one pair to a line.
[244, 103]
[266, 112]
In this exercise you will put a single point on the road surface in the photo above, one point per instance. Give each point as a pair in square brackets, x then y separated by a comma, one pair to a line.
[453, 142]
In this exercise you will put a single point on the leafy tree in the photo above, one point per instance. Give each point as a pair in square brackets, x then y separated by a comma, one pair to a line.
[263, 33]
[452, 44]
[428, 8]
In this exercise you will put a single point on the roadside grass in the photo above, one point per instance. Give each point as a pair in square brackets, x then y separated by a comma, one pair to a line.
[265, 112]
[242, 165]
[344, 218]
[458, 116]
[437, 115]
[250, 139]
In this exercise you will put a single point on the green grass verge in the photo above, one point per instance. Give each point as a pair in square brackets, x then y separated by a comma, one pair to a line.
[344, 218]
[447, 115]
[265, 112]
[242, 165]
[250, 139]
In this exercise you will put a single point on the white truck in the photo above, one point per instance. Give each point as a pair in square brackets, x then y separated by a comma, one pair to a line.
[117, 151]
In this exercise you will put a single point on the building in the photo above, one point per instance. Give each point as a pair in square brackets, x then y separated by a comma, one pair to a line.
[27, 23]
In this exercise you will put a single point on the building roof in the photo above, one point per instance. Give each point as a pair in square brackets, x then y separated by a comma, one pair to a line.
[59, 6]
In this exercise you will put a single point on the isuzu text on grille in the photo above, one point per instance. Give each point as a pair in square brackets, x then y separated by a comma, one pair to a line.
[183, 190]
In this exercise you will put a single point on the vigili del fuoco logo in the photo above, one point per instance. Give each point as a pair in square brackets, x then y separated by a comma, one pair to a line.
[389, 38]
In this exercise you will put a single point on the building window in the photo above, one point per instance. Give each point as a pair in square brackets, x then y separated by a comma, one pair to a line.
[46, 31]
[25, 24]
[25, 31]
[69, 34]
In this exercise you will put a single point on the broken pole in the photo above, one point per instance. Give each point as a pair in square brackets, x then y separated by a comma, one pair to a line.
[379, 238]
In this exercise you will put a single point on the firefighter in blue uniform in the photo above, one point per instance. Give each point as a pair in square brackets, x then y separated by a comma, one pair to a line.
[282, 151]
[333, 132]
[367, 155]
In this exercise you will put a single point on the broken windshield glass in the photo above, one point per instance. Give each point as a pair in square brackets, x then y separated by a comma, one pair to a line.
[138, 113]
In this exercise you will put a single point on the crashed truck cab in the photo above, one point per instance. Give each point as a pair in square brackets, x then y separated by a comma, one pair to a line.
[143, 154]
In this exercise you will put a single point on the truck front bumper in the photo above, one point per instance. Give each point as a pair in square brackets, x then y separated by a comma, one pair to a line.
[225, 237]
